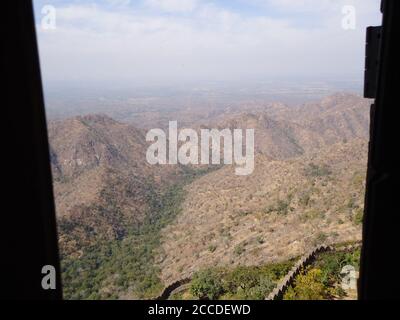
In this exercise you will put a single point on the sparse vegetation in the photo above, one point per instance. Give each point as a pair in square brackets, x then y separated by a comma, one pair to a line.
[310, 215]
[305, 198]
[121, 236]
[313, 170]
[125, 265]
[260, 240]
[239, 249]
[281, 207]
[320, 238]
[358, 217]
[351, 203]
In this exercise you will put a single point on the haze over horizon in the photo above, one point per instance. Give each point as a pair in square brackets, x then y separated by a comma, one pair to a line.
[115, 43]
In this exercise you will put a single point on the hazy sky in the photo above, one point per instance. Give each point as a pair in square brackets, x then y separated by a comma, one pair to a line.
[174, 41]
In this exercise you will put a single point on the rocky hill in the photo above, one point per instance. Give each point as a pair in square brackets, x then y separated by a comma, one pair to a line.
[283, 132]
[126, 228]
[102, 182]
[280, 211]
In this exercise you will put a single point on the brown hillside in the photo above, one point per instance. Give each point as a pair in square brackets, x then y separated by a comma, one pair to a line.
[102, 181]
[280, 211]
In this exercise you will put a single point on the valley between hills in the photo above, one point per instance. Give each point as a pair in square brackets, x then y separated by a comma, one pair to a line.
[127, 228]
